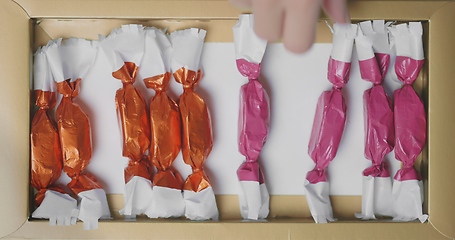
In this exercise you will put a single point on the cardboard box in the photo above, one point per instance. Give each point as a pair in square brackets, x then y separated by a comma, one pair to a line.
[289, 218]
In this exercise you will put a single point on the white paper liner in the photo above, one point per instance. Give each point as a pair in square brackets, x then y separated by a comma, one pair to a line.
[200, 205]
[364, 46]
[408, 40]
[138, 197]
[343, 39]
[93, 206]
[167, 203]
[254, 200]
[318, 199]
[377, 32]
[247, 44]
[42, 76]
[124, 44]
[377, 199]
[60, 209]
[408, 196]
[71, 58]
[187, 48]
[157, 54]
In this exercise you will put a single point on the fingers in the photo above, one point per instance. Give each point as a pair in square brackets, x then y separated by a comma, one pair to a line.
[337, 10]
[300, 24]
[294, 21]
[268, 19]
[241, 3]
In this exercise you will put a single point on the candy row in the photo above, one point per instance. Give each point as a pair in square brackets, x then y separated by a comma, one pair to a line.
[401, 125]
[154, 134]
[148, 139]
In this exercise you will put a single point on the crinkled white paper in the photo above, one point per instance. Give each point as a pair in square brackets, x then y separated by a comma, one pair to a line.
[167, 203]
[247, 44]
[343, 39]
[92, 207]
[408, 40]
[124, 44]
[254, 200]
[377, 199]
[138, 197]
[317, 196]
[60, 209]
[200, 205]
[408, 200]
[157, 54]
[187, 45]
[71, 58]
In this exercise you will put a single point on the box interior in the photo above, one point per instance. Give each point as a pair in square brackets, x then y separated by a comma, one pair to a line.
[284, 220]
[282, 206]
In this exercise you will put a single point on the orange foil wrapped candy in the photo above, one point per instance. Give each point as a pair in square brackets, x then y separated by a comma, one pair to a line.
[77, 56]
[165, 127]
[46, 152]
[197, 130]
[46, 155]
[133, 117]
[124, 48]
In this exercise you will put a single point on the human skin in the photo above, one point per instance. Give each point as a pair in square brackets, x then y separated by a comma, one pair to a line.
[292, 21]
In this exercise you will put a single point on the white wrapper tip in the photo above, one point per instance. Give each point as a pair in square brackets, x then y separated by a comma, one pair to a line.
[253, 200]
[317, 196]
[201, 205]
[138, 196]
[93, 206]
[167, 203]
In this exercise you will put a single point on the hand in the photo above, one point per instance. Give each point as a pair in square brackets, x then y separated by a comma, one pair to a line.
[293, 21]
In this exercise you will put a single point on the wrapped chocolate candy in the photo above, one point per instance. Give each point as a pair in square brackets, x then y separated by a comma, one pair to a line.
[410, 122]
[254, 120]
[329, 122]
[46, 154]
[69, 62]
[124, 48]
[165, 127]
[372, 44]
[200, 203]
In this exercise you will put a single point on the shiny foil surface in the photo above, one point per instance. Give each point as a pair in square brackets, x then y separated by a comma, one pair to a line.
[197, 129]
[165, 133]
[133, 117]
[254, 121]
[328, 127]
[75, 138]
[46, 154]
[410, 131]
[410, 118]
[378, 116]
[379, 130]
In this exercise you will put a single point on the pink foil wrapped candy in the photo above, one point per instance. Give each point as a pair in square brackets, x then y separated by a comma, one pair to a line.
[254, 120]
[329, 122]
[372, 46]
[410, 122]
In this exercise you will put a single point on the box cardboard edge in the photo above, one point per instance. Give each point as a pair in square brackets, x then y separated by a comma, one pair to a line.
[15, 49]
[440, 128]
[441, 219]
